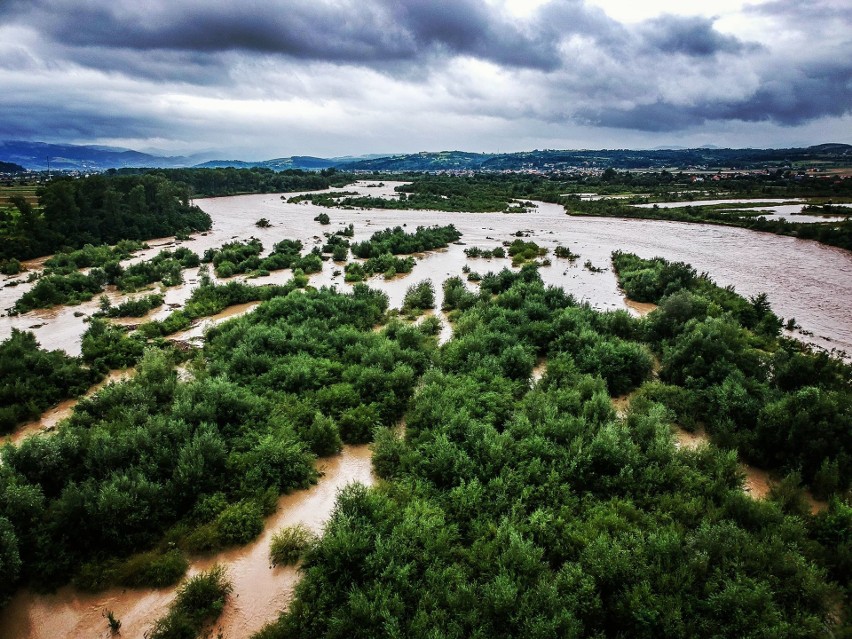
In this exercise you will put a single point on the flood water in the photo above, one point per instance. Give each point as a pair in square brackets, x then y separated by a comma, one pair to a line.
[790, 210]
[260, 591]
[803, 279]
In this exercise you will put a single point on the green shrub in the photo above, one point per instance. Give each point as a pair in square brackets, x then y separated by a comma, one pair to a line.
[199, 602]
[239, 523]
[289, 544]
[152, 569]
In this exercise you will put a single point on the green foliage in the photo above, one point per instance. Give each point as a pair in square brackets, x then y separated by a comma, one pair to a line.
[53, 289]
[397, 242]
[97, 210]
[565, 253]
[10, 559]
[234, 257]
[419, 297]
[199, 603]
[289, 544]
[164, 267]
[32, 379]
[138, 307]
[106, 347]
[152, 569]
[510, 511]
[522, 252]
[322, 218]
[239, 523]
[782, 406]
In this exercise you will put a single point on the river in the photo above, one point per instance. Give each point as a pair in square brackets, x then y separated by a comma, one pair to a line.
[803, 279]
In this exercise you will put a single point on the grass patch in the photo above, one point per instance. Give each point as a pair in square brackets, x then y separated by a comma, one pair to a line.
[289, 545]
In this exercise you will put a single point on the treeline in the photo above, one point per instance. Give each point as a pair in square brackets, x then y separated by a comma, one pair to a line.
[723, 366]
[397, 242]
[477, 194]
[518, 510]
[151, 469]
[832, 233]
[231, 181]
[97, 210]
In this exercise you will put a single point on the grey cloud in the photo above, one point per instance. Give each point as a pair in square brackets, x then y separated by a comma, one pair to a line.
[611, 74]
[784, 99]
[377, 31]
[59, 120]
[693, 36]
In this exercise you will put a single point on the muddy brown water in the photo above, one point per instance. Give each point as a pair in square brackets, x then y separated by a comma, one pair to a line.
[51, 417]
[260, 591]
[802, 279]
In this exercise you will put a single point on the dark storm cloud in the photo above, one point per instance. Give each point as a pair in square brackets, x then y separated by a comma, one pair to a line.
[691, 36]
[564, 64]
[353, 32]
[64, 121]
[811, 93]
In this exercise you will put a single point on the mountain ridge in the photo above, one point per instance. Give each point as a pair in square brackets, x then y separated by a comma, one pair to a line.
[39, 156]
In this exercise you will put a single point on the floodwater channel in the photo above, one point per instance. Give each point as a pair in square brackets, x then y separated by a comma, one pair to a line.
[802, 279]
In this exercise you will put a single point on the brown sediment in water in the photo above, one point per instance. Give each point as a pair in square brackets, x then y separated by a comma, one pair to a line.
[621, 403]
[50, 418]
[197, 330]
[640, 308]
[260, 592]
[758, 482]
[690, 439]
[539, 370]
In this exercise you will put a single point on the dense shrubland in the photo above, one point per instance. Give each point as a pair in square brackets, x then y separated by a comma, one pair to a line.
[517, 510]
[724, 365]
[509, 508]
[62, 284]
[155, 464]
[32, 379]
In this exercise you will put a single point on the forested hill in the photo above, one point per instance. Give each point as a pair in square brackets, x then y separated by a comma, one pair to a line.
[826, 155]
[11, 167]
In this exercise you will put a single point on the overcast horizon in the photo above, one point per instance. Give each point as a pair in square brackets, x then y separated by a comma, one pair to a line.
[262, 79]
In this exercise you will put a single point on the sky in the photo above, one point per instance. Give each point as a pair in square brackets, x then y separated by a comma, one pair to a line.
[258, 79]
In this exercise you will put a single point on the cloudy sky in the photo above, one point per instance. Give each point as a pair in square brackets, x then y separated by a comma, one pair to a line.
[255, 79]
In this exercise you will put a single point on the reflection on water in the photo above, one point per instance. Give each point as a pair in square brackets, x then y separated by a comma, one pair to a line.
[260, 591]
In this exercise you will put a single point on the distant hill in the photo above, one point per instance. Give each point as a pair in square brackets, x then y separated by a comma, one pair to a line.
[34, 156]
[11, 167]
[549, 160]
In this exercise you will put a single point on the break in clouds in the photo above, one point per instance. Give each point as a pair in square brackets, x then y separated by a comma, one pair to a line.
[382, 75]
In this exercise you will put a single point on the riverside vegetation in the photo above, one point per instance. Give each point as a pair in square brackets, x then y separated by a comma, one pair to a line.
[507, 507]
[512, 192]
